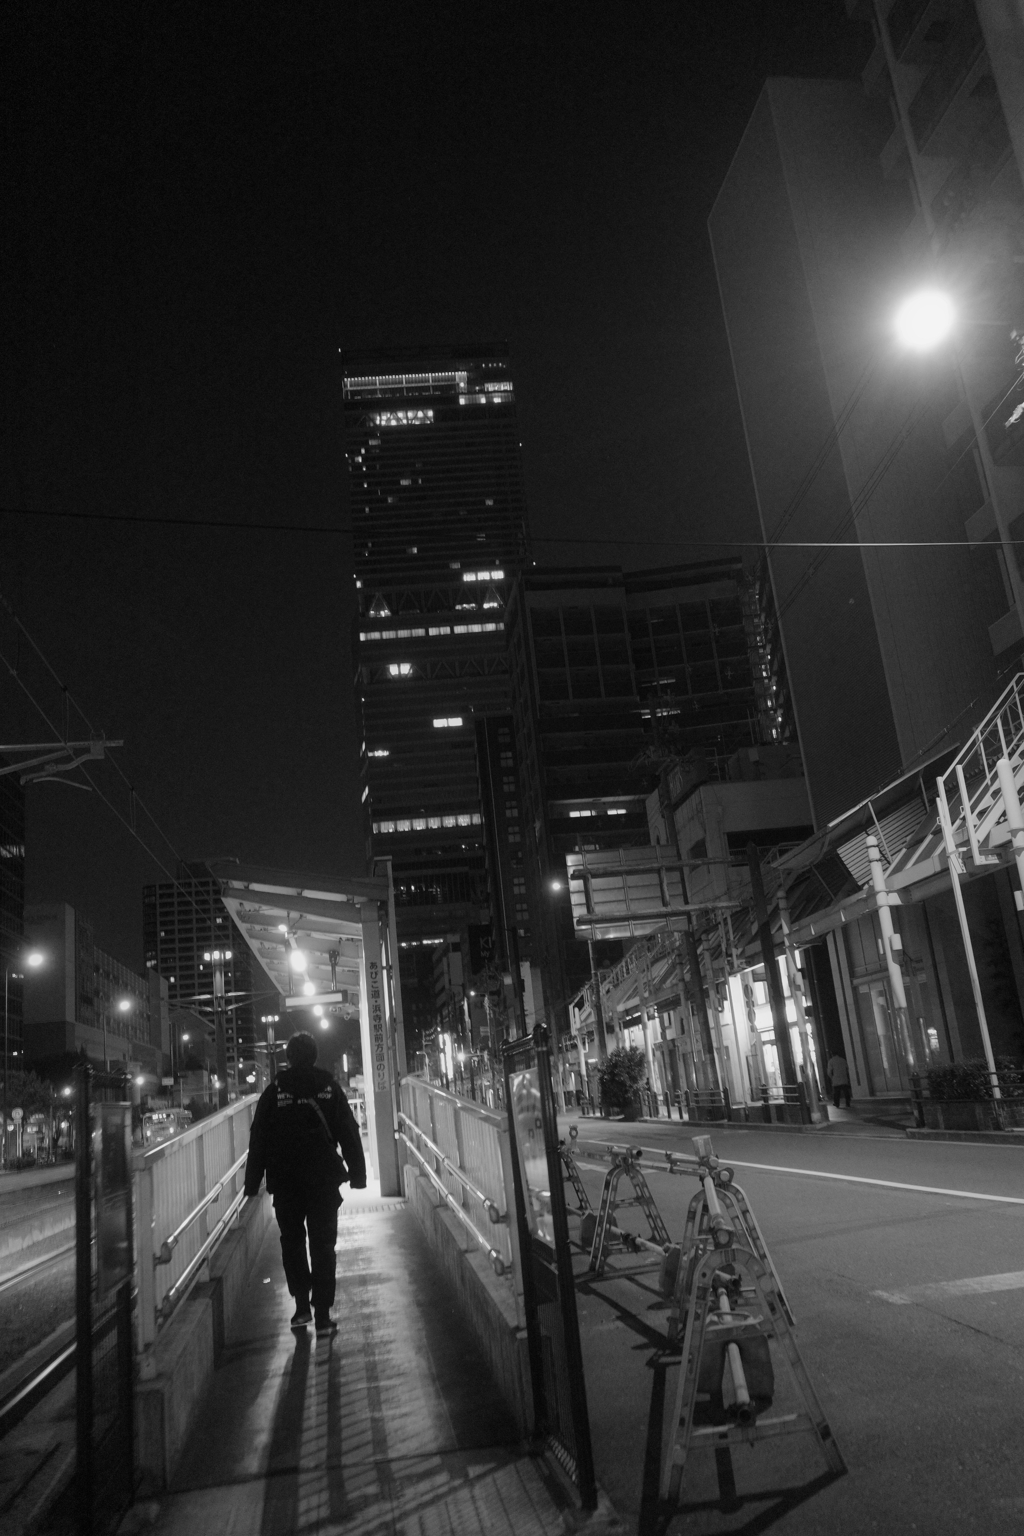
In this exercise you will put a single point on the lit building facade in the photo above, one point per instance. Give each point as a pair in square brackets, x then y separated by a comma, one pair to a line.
[81, 998]
[183, 921]
[439, 531]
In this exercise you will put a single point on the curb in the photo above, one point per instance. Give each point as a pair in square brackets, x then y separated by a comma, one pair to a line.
[993, 1138]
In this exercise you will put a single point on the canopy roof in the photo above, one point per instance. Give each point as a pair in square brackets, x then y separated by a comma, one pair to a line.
[320, 916]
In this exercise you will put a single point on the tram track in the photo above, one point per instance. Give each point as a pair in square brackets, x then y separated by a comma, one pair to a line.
[16, 1277]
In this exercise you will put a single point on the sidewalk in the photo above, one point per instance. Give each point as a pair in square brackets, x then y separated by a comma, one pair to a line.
[392, 1426]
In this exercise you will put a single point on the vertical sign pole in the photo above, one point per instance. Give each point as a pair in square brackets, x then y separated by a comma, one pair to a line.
[378, 1055]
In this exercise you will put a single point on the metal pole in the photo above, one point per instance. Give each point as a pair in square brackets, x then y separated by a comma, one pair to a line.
[773, 980]
[6, 976]
[955, 860]
[882, 899]
[220, 1027]
[700, 1004]
[83, 1303]
[796, 987]
[1014, 818]
[595, 978]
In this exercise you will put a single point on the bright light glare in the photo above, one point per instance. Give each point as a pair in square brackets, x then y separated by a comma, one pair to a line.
[34, 959]
[318, 1011]
[125, 1004]
[309, 987]
[325, 1023]
[140, 1081]
[925, 320]
[282, 927]
[556, 885]
[298, 960]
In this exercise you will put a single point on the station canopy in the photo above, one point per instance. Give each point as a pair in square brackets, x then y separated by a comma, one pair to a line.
[306, 931]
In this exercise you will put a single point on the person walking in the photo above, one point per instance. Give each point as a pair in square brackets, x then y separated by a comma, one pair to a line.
[839, 1077]
[299, 1122]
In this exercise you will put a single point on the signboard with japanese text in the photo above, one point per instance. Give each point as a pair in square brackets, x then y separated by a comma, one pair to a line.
[378, 1036]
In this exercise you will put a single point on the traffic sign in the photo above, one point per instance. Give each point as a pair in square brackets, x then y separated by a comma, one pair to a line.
[18, 1114]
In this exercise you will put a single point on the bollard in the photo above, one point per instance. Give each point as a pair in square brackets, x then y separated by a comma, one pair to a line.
[917, 1098]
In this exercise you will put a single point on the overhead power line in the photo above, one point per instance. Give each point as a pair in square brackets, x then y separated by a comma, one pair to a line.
[566, 538]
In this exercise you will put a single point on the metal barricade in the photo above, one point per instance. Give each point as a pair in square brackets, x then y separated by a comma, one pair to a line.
[187, 1192]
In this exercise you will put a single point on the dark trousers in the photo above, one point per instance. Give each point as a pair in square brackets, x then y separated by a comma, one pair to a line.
[841, 1090]
[302, 1211]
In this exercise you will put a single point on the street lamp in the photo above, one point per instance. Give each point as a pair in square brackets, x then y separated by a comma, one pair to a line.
[33, 959]
[925, 320]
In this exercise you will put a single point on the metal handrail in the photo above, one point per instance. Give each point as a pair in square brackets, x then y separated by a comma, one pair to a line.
[169, 1244]
[500, 1265]
[496, 1216]
[466, 1106]
[184, 1281]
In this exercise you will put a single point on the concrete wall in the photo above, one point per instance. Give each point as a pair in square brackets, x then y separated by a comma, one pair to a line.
[186, 1350]
[486, 1302]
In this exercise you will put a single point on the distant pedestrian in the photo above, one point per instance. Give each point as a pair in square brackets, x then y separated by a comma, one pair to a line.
[299, 1122]
[839, 1077]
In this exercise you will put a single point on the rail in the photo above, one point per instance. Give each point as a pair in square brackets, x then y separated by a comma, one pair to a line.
[186, 1198]
[500, 1267]
[464, 1150]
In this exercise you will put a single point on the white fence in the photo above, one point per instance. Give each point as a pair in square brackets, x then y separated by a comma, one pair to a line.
[186, 1192]
[465, 1149]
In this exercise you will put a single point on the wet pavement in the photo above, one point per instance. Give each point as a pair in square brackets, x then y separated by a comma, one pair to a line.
[392, 1426]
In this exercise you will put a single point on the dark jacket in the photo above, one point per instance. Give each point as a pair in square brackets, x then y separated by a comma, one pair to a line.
[287, 1141]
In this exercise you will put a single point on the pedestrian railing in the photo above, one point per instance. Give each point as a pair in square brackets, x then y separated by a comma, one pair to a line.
[187, 1193]
[464, 1150]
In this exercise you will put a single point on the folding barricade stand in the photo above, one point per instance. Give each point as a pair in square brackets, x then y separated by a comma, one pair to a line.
[600, 1231]
[729, 1303]
[567, 1155]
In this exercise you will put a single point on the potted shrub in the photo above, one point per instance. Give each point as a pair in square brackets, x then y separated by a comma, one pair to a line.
[621, 1074]
[960, 1096]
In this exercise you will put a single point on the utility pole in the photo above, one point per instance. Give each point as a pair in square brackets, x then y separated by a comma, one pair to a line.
[891, 942]
[700, 1004]
[796, 987]
[220, 1022]
[773, 981]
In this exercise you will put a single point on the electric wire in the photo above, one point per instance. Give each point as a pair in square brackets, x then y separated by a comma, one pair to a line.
[568, 538]
[63, 732]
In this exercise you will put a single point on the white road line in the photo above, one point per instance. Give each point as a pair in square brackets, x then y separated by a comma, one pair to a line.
[815, 1173]
[978, 1286]
[852, 1178]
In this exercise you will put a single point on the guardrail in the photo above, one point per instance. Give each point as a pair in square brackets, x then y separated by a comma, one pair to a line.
[187, 1193]
[464, 1151]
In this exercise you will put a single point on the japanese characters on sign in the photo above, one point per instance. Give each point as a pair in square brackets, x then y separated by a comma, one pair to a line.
[377, 1036]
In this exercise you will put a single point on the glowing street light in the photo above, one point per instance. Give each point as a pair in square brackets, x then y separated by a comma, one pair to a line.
[556, 885]
[309, 987]
[924, 320]
[297, 960]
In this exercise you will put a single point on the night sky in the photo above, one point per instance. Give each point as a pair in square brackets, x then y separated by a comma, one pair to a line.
[202, 205]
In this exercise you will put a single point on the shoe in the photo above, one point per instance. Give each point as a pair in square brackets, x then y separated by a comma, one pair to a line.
[326, 1327]
[303, 1317]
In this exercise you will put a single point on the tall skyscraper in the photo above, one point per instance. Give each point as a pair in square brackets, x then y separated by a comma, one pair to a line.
[439, 525]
